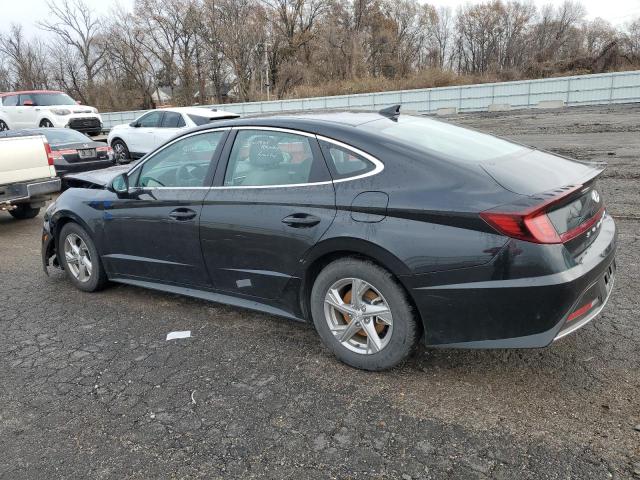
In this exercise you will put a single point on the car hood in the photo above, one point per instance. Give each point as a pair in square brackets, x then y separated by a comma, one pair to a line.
[98, 178]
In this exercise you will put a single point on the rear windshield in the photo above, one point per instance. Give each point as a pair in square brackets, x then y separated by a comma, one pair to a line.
[55, 136]
[46, 99]
[443, 139]
[199, 120]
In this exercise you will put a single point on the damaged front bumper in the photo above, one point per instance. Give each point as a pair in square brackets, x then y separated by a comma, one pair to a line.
[48, 248]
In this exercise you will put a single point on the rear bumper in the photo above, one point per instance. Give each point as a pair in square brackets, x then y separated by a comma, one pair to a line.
[521, 312]
[22, 192]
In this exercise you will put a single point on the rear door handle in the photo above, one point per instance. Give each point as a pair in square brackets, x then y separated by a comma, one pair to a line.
[182, 214]
[301, 220]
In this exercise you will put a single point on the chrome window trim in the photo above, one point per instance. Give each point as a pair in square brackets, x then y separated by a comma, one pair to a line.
[378, 165]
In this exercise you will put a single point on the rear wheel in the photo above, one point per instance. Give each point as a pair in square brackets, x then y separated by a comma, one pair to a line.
[24, 211]
[120, 151]
[45, 123]
[3, 126]
[362, 315]
[79, 258]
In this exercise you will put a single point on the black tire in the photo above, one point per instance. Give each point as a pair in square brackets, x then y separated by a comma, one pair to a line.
[120, 151]
[24, 212]
[3, 126]
[98, 277]
[45, 123]
[405, 333]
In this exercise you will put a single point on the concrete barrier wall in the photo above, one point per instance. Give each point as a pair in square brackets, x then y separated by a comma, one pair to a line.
[605, 88]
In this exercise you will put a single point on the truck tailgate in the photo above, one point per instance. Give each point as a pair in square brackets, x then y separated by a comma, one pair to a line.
[23, 159]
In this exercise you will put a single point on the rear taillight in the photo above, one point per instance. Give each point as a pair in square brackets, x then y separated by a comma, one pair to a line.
[531, 222]
[47, 149]
[535, 228]
[108, 150]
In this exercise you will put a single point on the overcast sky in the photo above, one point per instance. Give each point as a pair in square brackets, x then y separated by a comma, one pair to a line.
[29, 12]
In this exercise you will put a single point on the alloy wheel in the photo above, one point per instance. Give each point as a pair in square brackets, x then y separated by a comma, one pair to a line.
[358, 316]
[77, 257]
[120, 152]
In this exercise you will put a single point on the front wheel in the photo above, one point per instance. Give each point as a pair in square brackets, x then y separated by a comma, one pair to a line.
[46, 124]
[3, 126]
[24, 211]
[78, 256]
[363, 315]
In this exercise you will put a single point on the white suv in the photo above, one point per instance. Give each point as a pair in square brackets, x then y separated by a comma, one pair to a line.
[46, 108]
[146, 133]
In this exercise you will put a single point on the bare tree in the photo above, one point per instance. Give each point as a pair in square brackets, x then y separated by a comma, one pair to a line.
[24, 66]
[76, 26]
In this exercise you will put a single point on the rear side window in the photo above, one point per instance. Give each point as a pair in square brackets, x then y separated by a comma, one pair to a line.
[172, 120]
[263, 158]
[10, 101]
[345, 163]
[27, 98]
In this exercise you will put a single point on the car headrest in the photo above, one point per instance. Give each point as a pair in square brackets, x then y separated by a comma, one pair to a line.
[264, 152]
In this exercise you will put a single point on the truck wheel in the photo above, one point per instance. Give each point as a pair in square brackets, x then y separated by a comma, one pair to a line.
[3, 126]
[24, 212]
[80, 259]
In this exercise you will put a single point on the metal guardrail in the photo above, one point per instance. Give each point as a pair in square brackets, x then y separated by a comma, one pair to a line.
[598, 89]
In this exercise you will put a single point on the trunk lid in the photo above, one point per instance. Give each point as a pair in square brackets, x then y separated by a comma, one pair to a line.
[536, 171]
[560, 196]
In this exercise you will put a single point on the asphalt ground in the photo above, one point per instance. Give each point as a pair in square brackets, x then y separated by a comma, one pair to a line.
[90, 388]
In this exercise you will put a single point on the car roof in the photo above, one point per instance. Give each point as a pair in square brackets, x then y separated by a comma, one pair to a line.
[344, 122]
[25, 92]
[202, 111]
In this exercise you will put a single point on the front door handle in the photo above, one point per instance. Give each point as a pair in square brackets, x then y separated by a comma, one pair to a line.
[182, 214]
[301, 220]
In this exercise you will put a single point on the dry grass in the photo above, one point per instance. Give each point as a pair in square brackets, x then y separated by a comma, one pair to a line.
[423, 79]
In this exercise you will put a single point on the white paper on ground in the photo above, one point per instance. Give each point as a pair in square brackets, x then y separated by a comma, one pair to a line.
[174, 335]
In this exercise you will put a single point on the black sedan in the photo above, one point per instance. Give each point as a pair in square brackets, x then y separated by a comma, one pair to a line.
[71, 151]
[380, 228]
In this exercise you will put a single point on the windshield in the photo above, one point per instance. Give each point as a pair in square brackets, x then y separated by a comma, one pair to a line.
[55, 136]
[46, 99]
[443, 139]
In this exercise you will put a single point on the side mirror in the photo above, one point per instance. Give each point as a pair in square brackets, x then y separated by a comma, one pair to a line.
[27, 103]
[134, 124]
[78, 102]
[120, 184]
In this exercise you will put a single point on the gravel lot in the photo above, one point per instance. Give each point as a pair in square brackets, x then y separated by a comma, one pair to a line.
[91, 389]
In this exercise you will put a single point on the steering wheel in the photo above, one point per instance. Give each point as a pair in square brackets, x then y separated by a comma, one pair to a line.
[186, 175]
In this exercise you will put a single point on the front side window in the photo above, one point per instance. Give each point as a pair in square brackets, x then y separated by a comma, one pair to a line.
[262, 158]
[185, 163]
[150, 120]
[345, 163]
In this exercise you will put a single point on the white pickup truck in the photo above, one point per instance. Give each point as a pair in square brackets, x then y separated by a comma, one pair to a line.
[27, 175]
